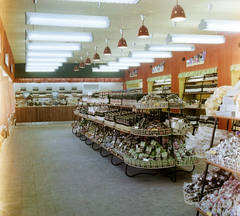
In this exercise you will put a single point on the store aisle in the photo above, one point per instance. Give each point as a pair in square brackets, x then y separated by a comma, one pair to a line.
[46, 170]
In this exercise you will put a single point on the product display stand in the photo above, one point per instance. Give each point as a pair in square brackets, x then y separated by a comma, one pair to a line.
[210, 163]
[106, 143]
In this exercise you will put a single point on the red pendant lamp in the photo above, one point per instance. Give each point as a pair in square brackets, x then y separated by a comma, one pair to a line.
[178, 14]
[107, 50]
[96, 56]
[76, 68]
[143, 31]
[88, 61]
[122, 43]
[82, 65]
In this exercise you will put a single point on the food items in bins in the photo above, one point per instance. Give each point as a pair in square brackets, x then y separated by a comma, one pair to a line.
[152, 100]
[175, 101]
[182, 155]
[149, 154]
[179, 125]
[227, 153]
[214, 180]
[149, 127]
[225, 201]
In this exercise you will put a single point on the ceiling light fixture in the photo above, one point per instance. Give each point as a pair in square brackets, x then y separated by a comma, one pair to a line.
[148, 54]
[169, 47]
[119, 64]
[82, 65]
[110, 1]
[122, 44]
[53, 46]
[138, 60]
[143, 31]
[96, 56]
[67, 20]
[107, 50]
[58, 64]
[51, 60]
[113, 67]
[199, 39]
[219, 25]
[40, 70]
[49, 54]
[59, 36]
[177, 14]
[104, 70]
[88, 61]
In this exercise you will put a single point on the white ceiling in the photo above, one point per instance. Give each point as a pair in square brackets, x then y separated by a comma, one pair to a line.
[125, 16]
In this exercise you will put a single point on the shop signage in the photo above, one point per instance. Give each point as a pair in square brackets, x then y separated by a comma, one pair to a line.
[134, 73]
[197, 59]
[159, 68]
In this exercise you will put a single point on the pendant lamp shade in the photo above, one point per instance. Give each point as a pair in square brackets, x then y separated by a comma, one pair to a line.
[122, 43]
[107, 50]
[96, 56]
[87, 61]
[81, 65]
[178, 14]
[143, 31]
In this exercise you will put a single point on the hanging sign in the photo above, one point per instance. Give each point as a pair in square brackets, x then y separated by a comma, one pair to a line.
[159, 68]
[197, 59]
[134, 73]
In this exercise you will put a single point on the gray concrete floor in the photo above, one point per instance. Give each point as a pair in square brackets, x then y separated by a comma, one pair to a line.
[46, 170]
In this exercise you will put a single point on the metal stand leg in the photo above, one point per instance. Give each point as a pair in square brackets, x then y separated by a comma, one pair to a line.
[81, 137]
[115, 164]
[95, 149]
[104, 155]
[165, 174]
[126, 172]
[88, 143]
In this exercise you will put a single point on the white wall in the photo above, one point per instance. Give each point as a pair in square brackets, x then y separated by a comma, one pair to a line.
[85, 87]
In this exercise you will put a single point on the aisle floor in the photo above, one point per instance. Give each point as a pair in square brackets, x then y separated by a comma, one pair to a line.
[46, 170]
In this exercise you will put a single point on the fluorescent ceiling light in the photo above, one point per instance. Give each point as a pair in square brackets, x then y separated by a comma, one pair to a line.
[58, 64]
[219, 25]
[169, 47]
[67, 20]
[40, 70]
[51, 60]
[110, 1]
[53, 46]
[104, 70]
[199, 39]
[113, 67]
[59, 36]
[139, 60]
[128, 64]
[49, 54]
[148, 54]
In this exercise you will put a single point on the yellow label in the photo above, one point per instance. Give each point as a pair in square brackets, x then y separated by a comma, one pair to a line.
[213, 152]
[209, 213]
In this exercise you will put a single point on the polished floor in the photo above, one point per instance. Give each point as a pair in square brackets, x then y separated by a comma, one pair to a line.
[46, 170]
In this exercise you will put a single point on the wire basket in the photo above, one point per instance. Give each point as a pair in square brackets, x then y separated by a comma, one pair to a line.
[143, 132]
[176, 105]
[188, 161]
[152, 105]
[193, 198]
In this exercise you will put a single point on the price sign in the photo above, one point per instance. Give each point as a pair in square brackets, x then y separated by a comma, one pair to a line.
[209, 213]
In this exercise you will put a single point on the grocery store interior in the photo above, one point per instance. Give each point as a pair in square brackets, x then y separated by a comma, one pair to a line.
[119, 107]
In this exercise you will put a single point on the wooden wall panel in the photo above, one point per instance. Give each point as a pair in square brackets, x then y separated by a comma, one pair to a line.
[44, 114]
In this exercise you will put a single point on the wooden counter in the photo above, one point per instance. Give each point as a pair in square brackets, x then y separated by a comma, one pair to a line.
[44, 113]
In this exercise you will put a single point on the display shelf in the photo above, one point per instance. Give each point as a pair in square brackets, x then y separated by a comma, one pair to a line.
[202, 212]
[210, 80]
[150, 168]
[151, 133]
[222, 167]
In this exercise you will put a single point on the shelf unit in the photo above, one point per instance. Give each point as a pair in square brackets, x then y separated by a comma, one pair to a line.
[198, 88]
[84, 137]
[211, 163]
[161, 86]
